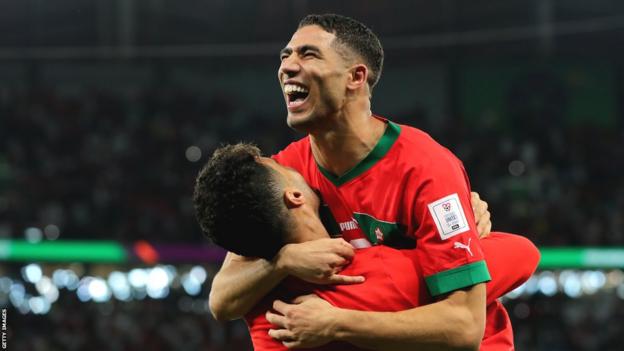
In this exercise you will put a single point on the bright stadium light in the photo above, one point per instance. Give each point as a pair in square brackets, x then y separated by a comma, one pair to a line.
[571, 284]
[531, 285]
[198, 273]
[547, 284]
[47, 289]
[98, 290]
[190, 285]
[157, 283]
[24, 306]
[38, 305]
[119, 285]
[137, 278]
[73, 280]
[592, 281]
[17, 293]
[83, 289]
[32, 273]
[60, 278]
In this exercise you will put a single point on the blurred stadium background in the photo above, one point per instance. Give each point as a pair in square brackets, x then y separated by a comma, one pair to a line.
[109, 108]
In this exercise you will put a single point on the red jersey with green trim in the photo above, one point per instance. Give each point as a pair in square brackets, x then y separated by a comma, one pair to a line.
[409, 190]
[412, 192]
[393, 283]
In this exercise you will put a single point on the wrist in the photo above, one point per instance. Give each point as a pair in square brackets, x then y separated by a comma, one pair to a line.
[281, 261]
[340, 324]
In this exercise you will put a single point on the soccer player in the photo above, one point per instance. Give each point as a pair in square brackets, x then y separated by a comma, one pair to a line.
[277, 202]
[385, 183]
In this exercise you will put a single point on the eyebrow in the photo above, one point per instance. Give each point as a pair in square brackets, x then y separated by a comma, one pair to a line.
[302, 48]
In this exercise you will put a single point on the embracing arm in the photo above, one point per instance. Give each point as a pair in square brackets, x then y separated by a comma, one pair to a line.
[456, 322]
[242, 282]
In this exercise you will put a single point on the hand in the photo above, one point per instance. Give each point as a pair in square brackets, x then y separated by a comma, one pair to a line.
[482, 215]
[308, 322]
[318, 261]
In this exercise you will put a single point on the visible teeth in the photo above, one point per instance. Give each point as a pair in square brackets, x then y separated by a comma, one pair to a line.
[291, 88]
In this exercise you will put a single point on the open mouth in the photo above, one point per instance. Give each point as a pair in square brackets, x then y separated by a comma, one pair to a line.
[296, 95]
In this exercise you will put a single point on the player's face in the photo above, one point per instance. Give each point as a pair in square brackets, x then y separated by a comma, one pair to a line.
[313, 76]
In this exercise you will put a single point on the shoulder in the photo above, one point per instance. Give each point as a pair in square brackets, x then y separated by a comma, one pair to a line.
[418, 149]
[293, 154]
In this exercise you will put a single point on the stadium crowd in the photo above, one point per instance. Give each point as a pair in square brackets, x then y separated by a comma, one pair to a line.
[108, 166]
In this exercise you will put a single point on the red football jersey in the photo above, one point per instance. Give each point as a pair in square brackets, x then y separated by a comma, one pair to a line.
[512, 259]
[409, 191]
[393, 283]
[412, 192]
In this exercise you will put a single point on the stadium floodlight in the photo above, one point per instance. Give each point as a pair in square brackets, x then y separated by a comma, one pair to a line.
[32, 273]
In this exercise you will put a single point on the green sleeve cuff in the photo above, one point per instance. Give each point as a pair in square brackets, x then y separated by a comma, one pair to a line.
[458, 278]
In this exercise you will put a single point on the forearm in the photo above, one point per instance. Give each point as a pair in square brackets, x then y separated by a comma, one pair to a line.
[444, 325]
[240, 284]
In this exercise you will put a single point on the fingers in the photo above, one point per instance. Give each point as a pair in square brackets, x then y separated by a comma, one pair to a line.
[281, 334]
[488, 229]
[281, 307]
[484, 224]
[291, 344]
[343, 248]
[276, 319]
[339, 262]
[345, 279]
[304, 298]
[478, 206]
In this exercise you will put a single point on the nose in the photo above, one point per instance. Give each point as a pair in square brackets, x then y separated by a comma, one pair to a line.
[290, 66]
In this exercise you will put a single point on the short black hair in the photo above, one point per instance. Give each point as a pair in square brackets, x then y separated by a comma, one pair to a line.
[238, 204]
[354, 35]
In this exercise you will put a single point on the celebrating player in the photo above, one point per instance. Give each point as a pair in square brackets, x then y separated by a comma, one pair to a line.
[277, 202]
[386, 184]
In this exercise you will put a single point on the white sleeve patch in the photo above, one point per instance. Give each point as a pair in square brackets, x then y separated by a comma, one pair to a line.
[448, 216]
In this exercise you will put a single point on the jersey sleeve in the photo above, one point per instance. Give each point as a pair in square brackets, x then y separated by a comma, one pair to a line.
[511, 259]
[448, 247]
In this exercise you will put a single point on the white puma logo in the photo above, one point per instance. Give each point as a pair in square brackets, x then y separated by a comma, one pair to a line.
[458, 245]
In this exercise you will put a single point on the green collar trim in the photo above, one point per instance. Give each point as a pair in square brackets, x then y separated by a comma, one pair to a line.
[379, 151]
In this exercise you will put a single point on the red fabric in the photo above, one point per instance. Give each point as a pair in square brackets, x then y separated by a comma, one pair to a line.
[511, 259]
[391, 277]
[415, 172]
[393, 283]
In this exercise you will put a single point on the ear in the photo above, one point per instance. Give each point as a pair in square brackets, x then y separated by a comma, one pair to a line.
[293, 197]
[358, 77]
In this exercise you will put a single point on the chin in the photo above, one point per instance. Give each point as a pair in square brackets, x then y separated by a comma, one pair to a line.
[300, 123]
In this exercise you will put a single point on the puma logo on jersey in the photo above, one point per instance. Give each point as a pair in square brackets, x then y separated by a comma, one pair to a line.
[349, 225]
[459, 245]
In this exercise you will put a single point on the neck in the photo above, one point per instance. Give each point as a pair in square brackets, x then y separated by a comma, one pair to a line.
[307, 226]
[351, 136]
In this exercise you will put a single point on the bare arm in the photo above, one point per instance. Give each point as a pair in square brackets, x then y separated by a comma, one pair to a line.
[242, 282]
[455, 323]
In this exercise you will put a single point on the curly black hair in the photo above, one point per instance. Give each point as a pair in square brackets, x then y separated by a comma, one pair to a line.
[355, 36]
[238, 204]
